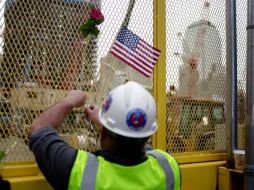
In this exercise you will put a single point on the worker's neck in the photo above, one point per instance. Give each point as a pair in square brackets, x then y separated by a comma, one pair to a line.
[122, 157]
[126, 153]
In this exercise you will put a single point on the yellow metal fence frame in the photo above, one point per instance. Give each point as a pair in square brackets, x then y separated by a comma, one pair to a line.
[160, 71]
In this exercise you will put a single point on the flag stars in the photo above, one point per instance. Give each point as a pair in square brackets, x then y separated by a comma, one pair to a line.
[128, 38]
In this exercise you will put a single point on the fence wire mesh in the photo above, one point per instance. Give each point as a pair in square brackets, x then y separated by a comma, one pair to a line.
[43, 56]
[196, 76]
[241, 21]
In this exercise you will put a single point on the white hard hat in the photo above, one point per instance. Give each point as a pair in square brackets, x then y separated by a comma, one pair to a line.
[130, 111]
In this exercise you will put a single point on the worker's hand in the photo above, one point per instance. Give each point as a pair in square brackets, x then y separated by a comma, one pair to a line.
[76, 98]
[92, 113]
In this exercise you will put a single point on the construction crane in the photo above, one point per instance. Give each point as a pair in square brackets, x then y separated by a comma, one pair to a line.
[189, 76]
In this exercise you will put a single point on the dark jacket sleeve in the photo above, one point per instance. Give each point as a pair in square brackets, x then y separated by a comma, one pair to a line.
[54, 157]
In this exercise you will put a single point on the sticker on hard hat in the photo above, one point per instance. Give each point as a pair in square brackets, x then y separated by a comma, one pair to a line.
[136, 119]
[106, 105]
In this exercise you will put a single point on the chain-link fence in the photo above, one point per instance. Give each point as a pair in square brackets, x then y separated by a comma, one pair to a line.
[44, 55]
[241, 21]
[196, 76]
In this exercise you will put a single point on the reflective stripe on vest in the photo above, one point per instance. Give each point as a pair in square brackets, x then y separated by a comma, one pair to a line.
[165, 166]
[89, 175]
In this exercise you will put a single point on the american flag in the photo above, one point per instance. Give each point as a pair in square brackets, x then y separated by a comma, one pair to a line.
[135, 52]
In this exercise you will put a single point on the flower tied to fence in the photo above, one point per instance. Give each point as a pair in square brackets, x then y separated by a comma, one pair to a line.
[91, 25]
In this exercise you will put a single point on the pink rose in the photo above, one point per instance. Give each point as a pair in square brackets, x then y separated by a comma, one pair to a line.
[97, 16]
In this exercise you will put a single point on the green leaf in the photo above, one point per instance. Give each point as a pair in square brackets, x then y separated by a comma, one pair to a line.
[91, 5]
[89, 28]
[95, 31]
[90, 22]
[83, 28]
[98, 22]
[2, 154]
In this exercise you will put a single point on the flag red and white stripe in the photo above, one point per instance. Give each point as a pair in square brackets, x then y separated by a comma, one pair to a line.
[135, 52]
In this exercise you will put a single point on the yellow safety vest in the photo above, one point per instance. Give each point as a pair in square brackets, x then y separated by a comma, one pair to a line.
[159, 172]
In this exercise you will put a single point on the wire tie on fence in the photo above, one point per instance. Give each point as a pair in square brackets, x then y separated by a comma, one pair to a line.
[251, 26]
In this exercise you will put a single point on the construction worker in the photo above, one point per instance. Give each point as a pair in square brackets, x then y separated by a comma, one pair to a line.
[4, 184]
[126, 120]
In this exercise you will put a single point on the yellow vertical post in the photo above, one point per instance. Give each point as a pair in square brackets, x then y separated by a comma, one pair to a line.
[159, 40]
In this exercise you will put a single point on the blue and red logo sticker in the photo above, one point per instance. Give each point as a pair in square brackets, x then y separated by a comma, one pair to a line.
[136, 119]
[107, 104]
